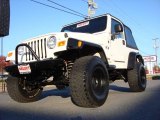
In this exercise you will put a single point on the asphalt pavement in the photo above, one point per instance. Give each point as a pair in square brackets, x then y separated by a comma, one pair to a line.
[121, 104]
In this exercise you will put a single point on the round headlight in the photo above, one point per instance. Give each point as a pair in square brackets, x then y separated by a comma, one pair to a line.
[51, 43]
[21, 50]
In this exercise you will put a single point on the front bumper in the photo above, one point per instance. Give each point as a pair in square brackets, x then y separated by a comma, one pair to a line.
[36, 67]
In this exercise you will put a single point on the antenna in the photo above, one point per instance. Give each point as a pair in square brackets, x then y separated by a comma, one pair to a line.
[91, 8]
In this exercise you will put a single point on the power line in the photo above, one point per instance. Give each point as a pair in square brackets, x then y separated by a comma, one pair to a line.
[84, 1]
[131, 19]
[145, 53]
[66, 8]
[57, 8]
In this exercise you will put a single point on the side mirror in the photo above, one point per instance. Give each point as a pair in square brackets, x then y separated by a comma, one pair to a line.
[118, 28]
[4, 17]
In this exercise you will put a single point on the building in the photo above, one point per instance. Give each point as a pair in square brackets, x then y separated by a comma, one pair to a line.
[151, 64]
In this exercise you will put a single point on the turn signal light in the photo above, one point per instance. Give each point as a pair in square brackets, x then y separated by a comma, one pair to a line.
[10, 54]
[79, 43]
[61, 43]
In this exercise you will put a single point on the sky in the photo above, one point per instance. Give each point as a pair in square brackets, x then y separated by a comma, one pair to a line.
[29, 19]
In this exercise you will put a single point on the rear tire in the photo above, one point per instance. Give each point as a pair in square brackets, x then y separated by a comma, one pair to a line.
[137, 78]
[89, 82]
[20, 92]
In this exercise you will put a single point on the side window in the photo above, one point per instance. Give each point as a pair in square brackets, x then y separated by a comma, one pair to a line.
[129, 38]
[113, 24]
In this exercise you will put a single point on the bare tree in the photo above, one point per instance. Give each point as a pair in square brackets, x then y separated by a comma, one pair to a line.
[3, 63]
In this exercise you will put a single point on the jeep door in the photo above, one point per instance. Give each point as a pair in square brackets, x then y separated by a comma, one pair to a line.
[117, 48]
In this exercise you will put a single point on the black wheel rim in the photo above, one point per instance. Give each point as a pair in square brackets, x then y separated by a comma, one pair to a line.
[99, 82]
[27, 91]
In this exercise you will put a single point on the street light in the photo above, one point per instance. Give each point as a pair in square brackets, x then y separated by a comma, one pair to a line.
[156, 46]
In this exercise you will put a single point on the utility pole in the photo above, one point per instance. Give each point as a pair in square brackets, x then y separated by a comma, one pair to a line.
[91, 8]
[2, 46]
[4, 27]
[156, 46]
[2, 71]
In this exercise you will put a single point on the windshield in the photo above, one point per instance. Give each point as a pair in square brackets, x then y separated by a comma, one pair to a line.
[88, 26]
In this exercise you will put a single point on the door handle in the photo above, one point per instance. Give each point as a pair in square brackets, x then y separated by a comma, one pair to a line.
[123, 42]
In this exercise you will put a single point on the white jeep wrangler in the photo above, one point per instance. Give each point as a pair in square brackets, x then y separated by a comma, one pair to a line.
[85, 56]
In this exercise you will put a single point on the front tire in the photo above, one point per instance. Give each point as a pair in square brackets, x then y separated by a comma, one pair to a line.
[89, 82]
[19, 91]
[137, 78]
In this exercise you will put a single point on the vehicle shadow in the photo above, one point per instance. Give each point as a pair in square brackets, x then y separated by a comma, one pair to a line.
[65, 93]
[119, 88]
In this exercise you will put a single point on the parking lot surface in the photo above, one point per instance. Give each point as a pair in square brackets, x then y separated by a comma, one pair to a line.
[121, 104]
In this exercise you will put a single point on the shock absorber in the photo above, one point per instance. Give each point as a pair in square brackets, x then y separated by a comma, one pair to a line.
[69, 67]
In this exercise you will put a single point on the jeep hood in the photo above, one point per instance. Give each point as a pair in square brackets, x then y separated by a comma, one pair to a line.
[84, 37]
[61, 36]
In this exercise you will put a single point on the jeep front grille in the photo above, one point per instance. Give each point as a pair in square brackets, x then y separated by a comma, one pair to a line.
[39, 47]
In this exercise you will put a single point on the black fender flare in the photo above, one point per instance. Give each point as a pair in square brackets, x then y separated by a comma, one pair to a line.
[133, 57]
[83, 48]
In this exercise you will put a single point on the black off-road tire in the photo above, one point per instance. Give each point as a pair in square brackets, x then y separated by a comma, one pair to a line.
[18, 93]
[89, 82]
[137, 78]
